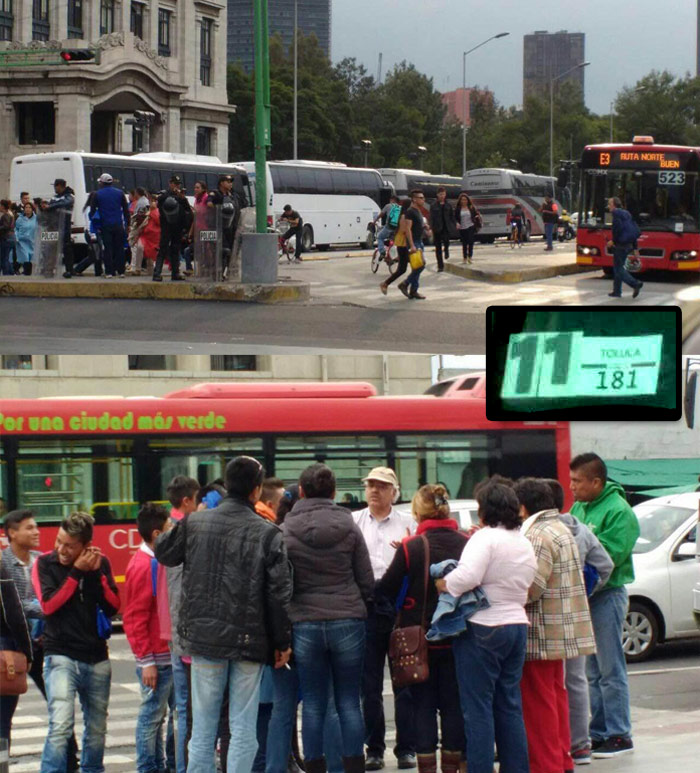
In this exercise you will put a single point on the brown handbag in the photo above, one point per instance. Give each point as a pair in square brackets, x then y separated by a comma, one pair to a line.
[13, 673]
[408, 647]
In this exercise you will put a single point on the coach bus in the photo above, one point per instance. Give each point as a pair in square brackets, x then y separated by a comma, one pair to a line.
[496, 191]
[658, 185]
[106, 455]
[336, 202]
[36, 172]
[406, 180]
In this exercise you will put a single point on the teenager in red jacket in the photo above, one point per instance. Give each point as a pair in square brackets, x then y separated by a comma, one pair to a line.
[151, 650]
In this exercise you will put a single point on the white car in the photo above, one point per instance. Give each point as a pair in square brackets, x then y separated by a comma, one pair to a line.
[464, 511]
[661, 596]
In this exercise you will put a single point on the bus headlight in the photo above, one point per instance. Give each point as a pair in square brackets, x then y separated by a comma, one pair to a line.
[588, 250]
[684, 255]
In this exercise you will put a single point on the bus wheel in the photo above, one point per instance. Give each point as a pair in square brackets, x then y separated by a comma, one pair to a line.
[307, 238]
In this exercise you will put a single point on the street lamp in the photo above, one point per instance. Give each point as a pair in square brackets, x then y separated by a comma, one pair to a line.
[612, 107]
[296, 77]
[464, 95]
[551, 115]
[366, 144]
[422, 150]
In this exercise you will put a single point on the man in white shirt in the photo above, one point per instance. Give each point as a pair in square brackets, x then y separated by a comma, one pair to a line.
[383, 527]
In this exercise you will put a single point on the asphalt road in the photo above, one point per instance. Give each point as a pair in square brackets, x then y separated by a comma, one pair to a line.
[347, 312]
[665, 696]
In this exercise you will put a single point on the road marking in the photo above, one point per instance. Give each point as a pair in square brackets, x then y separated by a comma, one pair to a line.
[663, 670]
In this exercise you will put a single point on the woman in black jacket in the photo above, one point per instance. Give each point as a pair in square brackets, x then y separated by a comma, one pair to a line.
[14, 635]
[440, 693]
[468, 223]
[333, 581]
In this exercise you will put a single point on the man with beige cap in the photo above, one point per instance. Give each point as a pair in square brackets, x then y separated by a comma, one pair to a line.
[382, 525]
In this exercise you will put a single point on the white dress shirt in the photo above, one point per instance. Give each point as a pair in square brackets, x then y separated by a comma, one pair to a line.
[379, 534]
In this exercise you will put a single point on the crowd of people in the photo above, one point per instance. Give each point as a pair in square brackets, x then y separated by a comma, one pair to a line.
[130, 232]
[250, 596]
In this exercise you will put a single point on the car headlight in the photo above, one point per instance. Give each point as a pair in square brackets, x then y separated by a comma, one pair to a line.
[684, 255]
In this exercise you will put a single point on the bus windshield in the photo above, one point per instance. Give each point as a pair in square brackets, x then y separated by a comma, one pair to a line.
[657, 200]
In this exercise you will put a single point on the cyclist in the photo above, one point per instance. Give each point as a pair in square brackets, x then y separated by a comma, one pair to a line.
[565, 220]
[517, 223]
[390, 216]
[296, 224]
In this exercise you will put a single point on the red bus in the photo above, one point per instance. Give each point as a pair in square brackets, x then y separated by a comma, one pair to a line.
[658, 184]
[107, 455]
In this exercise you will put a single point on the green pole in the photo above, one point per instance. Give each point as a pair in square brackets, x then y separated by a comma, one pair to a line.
[262, 112]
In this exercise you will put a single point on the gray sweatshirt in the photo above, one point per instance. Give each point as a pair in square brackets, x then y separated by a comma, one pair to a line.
[589, 548]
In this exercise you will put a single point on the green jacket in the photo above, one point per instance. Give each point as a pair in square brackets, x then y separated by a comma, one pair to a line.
[613, 521]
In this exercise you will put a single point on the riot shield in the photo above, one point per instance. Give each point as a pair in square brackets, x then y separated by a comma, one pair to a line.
[50, 236]
[207, 245]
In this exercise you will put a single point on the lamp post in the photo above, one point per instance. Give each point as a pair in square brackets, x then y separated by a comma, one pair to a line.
[366, 144]
[551, 115]
[422, 150]
[262, 111]
[296, 76]
[464, 95]
[612, 106]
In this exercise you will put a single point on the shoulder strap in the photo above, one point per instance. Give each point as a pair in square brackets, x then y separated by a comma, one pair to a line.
[426, 572]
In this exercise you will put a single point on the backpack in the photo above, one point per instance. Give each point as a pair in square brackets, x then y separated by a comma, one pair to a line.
[394, 216]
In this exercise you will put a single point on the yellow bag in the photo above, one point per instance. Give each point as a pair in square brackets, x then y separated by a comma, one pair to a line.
[416, 260]
[400, 239]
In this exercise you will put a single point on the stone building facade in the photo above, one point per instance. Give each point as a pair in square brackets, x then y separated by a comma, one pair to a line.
[157, 83]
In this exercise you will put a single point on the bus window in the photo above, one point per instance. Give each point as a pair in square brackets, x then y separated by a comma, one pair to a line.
[154, 181]
[189, 178]
[212, 180]
[341, 184]
[289, 180]
[90, 178]
[307, 180]
[128, 179]
[324, 184]
[370, 183]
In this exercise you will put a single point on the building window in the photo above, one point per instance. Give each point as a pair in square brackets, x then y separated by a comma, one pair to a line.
[106, 17]
[36, 122]
[75, 18]
[234, 362]
[164, 32]
[151, 362]
[137, 143]
[40, 20]
[205, 52]
[205, 141]
[137, 19]
[6, 19]
[16, 362]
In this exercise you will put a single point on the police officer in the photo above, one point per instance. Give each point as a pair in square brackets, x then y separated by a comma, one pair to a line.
[175, 219]
[225, 198]
[61, 205]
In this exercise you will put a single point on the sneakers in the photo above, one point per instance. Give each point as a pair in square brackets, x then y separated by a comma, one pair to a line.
[582, 756]
[406, 761]
[374, 762]
[614, 295]
[637, 289]
[613, 747]
[417, 296]
[404, 288]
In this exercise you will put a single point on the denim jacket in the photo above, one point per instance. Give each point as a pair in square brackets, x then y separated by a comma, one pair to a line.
[451, 614]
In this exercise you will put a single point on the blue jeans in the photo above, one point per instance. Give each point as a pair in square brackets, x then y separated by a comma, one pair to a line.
[181, 690]
[64, 678]
[607, 670]
[113, 242]
[548, 234]
[150, 756]
[620, 273]
[489, 662]
[210, 678]
[329, 656]
[384, 235]
[279, 732]
[414, 276]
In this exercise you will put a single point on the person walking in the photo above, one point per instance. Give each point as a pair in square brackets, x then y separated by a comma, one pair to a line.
[560, 628]
[625, 233]
[111, 204]
[25, 234]
[597, 567]
[550, 217]
[382, 527]
[61, 206]
[414, 226]
[236, 586]
[333, 582]
[175, 219]
[401, 244]
[468, 222]
[443, 225]
[153, 667]
[601, 505]
[77, 593]
[439, 695]
[490, 654]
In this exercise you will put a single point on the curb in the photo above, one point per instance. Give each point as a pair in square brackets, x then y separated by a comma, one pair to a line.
[514, 276]
[282, 292]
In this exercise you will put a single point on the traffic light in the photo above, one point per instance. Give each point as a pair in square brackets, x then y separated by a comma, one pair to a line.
[77, 55]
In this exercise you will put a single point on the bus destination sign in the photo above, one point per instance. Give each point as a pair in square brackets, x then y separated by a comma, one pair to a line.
[651, 159]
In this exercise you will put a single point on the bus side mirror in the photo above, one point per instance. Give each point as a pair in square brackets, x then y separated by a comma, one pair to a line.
[691, 384]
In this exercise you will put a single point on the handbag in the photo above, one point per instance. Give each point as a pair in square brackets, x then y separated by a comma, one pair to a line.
[13, 673]
[416, 260]
[408, 647]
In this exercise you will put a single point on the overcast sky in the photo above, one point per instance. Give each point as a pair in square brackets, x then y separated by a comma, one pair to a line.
[624, 39]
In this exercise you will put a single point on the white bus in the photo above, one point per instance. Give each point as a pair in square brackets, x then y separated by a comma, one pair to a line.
[496, 191]
[336, 202]
[36, 172]
[406, 180]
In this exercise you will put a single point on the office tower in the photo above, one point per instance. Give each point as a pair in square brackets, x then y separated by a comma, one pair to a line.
[548, 55]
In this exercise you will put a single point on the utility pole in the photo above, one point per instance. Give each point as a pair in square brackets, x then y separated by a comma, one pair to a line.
[379, 69]
[262, 112]
[296, 78]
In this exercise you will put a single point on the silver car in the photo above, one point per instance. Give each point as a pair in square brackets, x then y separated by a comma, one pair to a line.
[661, 596]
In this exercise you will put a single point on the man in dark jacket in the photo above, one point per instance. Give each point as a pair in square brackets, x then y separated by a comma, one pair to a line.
[175, 220]
[61, 207]
[236, 587]
[110, 202]
[550, 217]
[622, 243]
[75, 588]
[442, 221]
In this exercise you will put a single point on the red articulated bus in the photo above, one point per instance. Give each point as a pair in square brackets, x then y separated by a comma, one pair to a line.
[107, 455]
[658, 184]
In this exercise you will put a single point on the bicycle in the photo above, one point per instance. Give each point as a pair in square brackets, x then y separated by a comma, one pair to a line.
[285, 247]
[515, 234]
[390, 257]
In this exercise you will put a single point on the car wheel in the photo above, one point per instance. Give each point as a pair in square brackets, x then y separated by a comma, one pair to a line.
[640, 632]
